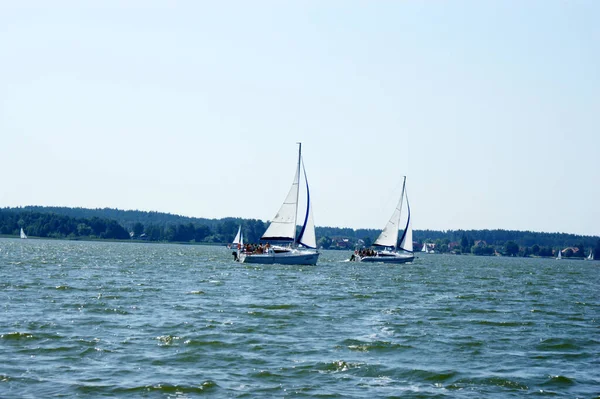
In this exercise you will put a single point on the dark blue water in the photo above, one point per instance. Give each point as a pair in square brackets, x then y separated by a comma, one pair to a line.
[92, 319]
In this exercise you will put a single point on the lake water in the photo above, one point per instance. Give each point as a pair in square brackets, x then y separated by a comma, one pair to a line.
[92, 319]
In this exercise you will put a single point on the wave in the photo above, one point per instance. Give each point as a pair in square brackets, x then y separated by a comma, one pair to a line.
[558, 380]
[16, 335]
[98, 309]
[373, 346]
[205, 387]
[167, 339]
[503, 323]
[338, 366]
[272, 306]
[94, 350]
[265, 374]
[553, 344]
[201, 343]
[433, 376]
[489, 381]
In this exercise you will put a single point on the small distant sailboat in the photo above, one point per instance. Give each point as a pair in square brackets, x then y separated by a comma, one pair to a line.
[23, 235]
[393, 251]
[238, 241]
[427, 249]
[301, 248]
[559, 256]
[590, 256]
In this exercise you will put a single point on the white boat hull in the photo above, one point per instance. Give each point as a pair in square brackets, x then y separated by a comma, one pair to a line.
[390, 257]
[293, 257]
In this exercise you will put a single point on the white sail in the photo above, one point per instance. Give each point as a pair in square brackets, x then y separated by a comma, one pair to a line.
[308, 238]
[424, 249]
[389, 234]
[407, 241]
[23, 235]
[590, 256]
[237, 239]
[559, 254]
[283, 225]
[307, 234]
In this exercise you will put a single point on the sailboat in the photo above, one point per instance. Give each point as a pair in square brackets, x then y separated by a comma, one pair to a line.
[238, 241]
[392, 250]
[292, 249]
[590, 256]
[23, 235]
[426, 249]
[559, 256]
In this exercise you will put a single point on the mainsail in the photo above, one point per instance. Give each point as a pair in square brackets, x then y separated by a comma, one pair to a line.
[389, 235]
[283, 225]
[238, 237]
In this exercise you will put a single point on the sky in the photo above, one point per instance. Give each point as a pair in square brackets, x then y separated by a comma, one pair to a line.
[490, 108]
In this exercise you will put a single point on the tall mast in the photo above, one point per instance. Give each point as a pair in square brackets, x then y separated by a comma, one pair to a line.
[298, 190]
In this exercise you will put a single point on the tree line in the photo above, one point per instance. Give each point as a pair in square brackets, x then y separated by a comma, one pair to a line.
[62, 222]
[108, 223]
[53, 225]
[512, 248]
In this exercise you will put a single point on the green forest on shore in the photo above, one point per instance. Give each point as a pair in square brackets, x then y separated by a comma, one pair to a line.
[115, 224]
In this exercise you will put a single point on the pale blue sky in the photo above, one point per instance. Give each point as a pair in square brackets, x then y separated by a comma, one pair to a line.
[491, 108]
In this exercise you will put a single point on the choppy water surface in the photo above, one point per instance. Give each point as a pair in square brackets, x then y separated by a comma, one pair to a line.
[93, 319]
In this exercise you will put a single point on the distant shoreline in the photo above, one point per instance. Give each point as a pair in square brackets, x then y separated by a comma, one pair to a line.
[81, 224]
[417, 253]
[87, 239]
